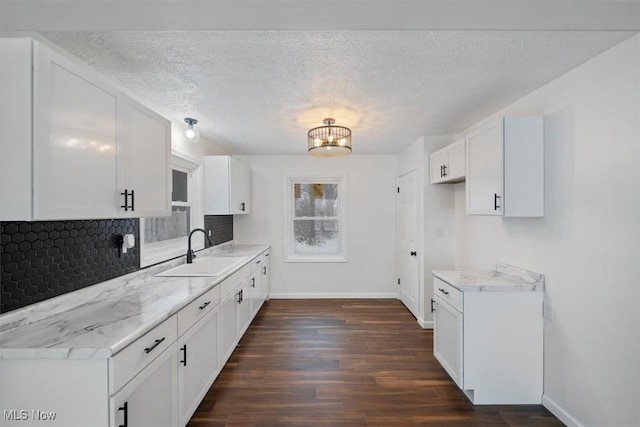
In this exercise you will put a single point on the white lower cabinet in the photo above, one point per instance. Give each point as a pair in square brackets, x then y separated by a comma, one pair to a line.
[198, 363]
[447, 339]
[228, 324]
[150, 398]
[490, 343]
[158, 380]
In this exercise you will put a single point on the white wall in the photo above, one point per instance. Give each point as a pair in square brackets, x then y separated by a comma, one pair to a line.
[587, 244]
[371, 187]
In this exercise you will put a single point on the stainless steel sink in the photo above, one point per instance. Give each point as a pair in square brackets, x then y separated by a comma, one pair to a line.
[204, 267]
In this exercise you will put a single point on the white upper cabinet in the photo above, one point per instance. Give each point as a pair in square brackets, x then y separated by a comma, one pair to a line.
[448, 163]
[145, 159]
[505, 168]
[89, 142]
[227, 186]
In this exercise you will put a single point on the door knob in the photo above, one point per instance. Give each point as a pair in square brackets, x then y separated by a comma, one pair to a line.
[414, 253]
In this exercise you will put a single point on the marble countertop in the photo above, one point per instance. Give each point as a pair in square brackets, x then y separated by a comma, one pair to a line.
[505, 278]
[99, 321]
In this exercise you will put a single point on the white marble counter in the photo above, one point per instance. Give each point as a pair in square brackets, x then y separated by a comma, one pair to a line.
[505, 278]
[99, 321]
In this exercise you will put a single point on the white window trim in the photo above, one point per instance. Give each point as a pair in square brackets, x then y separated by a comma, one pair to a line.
[157, 252]
[289, 215]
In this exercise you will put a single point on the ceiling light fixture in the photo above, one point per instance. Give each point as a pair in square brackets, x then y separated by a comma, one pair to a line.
[329, 140]
[192, 134]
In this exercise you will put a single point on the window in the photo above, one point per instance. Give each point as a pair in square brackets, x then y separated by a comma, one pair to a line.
[316, 225]
[163, 238]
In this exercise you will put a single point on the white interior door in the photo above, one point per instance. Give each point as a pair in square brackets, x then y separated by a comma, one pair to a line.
[409, 265]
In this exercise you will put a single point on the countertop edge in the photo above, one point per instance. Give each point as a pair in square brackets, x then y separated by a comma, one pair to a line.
[97, 353]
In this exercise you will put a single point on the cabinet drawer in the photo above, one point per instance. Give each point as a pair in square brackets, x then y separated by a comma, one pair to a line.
[448, 293]
[126, 364]
[234, 280]
[188, 316]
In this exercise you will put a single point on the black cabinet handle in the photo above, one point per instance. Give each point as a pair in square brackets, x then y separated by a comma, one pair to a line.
[495, 201]
[264, 270]
[125, 408]
[253, 282]
[443, 291]
[413, 253]
[126, 200]
[258, 262]
[444, 170]
[441, 175]
[155, 344]
[240, 296]
[432, 308]
[242, 206]
[126, 195]
[184, 352]
[203, 306]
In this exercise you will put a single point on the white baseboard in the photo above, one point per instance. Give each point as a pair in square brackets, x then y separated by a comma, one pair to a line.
[381, 295]
[560, 413]
[425, 324]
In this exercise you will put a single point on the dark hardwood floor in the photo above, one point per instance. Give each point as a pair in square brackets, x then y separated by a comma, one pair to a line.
[344, 363]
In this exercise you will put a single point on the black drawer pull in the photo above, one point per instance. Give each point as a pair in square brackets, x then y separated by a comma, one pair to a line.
[258, 262]
[203, 306]
[413, 253]
[444, 170]
[155, 344]
[443, 291]
[496, 206]
[242, 206]
[125, 408]
[253, 282]
[432, 309]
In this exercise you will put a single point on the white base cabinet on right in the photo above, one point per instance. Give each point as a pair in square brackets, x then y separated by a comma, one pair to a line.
[490, 342]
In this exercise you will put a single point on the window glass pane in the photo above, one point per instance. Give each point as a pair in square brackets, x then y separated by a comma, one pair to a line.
[315, 237]
[315, 200]
[179, 191]
[171, 227]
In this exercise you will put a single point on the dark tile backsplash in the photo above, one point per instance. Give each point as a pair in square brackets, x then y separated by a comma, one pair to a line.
[221, 227]
[43, 259]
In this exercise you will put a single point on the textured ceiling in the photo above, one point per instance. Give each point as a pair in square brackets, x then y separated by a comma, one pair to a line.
[258, 92]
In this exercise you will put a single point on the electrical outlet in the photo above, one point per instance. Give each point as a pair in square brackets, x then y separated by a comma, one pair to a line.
[547, 310]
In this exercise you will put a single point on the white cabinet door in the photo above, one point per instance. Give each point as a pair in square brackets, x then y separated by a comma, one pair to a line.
[244, 307]
[75, 140]
[437, 161]
[198, 363]
[266, 278]
[255, 291]
[150, 399]
[145, 161]
[228, 324]
[455, 171]
[448, 339]
[484, 170]
[240, 191]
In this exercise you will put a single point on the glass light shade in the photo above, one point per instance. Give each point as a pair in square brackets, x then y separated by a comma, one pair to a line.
[329, 140]
[191, 134]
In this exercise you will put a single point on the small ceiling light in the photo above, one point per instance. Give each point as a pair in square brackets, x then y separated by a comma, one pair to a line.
[329, 140]
[192, 134]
